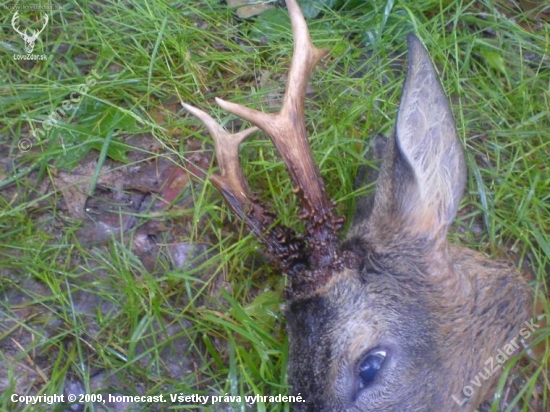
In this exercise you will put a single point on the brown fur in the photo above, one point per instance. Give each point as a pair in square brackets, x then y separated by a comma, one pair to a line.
[440, 311]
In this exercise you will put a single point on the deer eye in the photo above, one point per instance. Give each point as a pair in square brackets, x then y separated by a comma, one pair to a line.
[370, 366]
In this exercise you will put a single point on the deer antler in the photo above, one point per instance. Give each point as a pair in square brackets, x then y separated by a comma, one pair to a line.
[37, 32]
[14, 22]
[287, 131]
[24, 34]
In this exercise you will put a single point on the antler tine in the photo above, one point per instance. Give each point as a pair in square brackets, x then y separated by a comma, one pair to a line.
[227, 154]
[287, 131]
[304, 58]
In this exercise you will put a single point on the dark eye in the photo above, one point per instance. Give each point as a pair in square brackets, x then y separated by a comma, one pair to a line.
[370, 366]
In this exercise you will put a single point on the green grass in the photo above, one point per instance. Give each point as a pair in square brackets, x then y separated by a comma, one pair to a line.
[223, 313]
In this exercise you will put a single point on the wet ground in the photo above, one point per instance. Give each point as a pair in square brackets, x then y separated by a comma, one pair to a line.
[126, 204]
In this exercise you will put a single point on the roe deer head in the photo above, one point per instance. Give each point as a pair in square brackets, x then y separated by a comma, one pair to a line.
[29, 40]
[394, 318]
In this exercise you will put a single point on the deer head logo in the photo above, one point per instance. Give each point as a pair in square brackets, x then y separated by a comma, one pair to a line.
[29, 40]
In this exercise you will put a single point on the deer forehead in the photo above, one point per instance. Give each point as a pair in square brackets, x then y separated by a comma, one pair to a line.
[363, 310]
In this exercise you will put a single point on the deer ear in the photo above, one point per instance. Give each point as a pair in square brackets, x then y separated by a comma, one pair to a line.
[423, 172]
